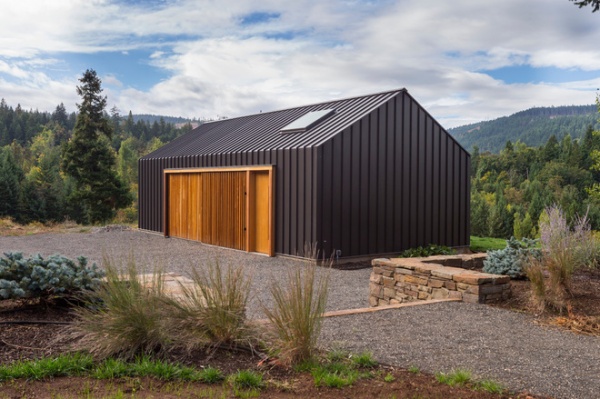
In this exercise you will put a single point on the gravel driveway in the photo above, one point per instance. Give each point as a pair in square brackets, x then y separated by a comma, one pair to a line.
[494, 343]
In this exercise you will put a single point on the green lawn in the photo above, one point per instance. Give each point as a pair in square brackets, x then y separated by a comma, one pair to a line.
[483, 244]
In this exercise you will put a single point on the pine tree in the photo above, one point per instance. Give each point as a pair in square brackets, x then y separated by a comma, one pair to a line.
[89, 159]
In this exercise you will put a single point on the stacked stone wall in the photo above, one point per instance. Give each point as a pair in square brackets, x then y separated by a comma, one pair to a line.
[400, 280]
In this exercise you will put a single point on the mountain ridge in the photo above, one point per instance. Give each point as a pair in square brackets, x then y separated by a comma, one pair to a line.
[532, 126]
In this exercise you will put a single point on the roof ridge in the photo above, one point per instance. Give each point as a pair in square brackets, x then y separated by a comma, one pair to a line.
[311, 105]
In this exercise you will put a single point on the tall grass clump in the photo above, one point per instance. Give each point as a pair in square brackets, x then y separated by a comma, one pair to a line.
[213, 311]
[297, 312]
[565, 249]
[126, 316]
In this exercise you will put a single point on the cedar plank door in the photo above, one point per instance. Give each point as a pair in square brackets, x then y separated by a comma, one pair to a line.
[228, 208]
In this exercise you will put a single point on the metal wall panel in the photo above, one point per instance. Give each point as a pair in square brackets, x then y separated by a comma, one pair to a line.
[394, 180]
[382, 177]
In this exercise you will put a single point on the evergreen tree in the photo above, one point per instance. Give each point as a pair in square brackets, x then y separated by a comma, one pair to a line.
[528, 229]
[89, 159]
[10, 180]
[479, 216]
[517, 230]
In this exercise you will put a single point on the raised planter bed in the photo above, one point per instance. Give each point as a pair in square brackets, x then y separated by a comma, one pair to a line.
[400, 280]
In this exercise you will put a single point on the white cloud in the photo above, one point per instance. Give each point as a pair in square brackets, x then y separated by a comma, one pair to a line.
[332, 49]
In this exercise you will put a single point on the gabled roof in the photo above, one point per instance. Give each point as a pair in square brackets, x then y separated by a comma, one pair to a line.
[263, 131]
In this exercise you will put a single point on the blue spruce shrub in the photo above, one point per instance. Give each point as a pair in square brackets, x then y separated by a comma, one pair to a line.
[509, 261]
[38, 277]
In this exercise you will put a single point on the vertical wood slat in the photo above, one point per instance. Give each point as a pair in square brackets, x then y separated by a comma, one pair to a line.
[213, 207]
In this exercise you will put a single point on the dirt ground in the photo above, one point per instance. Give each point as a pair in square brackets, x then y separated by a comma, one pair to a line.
[583, 316]
[35, 340]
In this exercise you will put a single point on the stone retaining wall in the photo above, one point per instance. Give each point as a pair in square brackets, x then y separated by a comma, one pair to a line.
[400, 280]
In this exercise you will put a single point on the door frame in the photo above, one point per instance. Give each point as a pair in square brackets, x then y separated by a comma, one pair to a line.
[249, 198]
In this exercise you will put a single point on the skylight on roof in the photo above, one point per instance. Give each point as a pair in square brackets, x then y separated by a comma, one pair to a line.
[307, 121]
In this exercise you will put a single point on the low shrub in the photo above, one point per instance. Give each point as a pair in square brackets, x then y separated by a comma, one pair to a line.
[213, 311]
[565, 249]
[511, 260]
[36, 277]
[126, 316]
[429, 250]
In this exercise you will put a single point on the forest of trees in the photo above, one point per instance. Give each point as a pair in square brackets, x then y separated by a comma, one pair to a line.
[510, 190]
[34, 185]
[532, 127]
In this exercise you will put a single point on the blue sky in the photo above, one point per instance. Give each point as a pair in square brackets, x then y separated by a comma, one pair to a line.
[464, 60]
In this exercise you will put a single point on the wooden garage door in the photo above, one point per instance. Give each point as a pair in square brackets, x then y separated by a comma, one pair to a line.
[229, 208]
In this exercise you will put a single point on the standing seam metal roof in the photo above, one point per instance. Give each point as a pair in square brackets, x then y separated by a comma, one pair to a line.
[262, 131]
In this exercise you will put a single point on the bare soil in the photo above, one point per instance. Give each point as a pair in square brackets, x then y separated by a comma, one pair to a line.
[31, 341]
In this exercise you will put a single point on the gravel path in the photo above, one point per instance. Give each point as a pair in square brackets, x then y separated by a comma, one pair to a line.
[494, 343]
[348, 289]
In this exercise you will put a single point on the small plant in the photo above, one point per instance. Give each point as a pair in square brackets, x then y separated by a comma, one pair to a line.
[126, 316]
[429, 250]
[334, 375]
[512, 258]
[414, 370]
[564, 250]
[111, 368]
[337, 355]
[389, 378]
[211, 375]
[298, 312]
[490, 386]
[458, 377]
[246, 379]
[364, 360]
[38, 277]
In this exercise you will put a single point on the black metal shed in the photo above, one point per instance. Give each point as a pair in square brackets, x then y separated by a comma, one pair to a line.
[362, 176]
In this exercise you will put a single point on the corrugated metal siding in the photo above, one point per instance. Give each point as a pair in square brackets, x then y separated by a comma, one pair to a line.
[392, 181]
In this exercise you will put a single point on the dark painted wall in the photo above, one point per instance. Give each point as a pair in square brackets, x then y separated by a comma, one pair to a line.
[391, 181]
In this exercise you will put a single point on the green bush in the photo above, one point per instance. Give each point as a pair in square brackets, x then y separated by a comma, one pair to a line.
[429, 250]
[511, 260]
[36, 277]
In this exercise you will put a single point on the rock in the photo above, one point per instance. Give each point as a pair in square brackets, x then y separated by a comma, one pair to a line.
[440, 293]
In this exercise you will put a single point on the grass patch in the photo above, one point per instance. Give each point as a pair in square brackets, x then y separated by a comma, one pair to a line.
[364, 360]
[490, 386]
[414, 370]
[211, 375]
[484, 244]
[458, 377]
[65, 365]
[246, 379]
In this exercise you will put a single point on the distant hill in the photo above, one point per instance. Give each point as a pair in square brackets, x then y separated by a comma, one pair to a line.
[533, 127]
